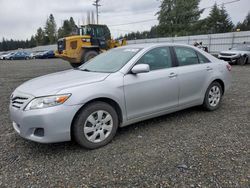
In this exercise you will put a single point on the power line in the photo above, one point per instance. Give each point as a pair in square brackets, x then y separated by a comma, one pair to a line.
[226, 3]
[142, 21]
[97, 5]
[149, 20]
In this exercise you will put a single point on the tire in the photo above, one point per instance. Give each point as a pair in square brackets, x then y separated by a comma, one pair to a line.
[96, 134]
[242, 60]
[88, 55]
[75, 65]
[213, 97]
[246, 60]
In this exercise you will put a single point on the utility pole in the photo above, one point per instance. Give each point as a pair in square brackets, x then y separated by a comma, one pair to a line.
[97, 5]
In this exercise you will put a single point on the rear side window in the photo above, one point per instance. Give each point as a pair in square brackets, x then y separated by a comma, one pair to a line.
[158, 58]
[186, 56]
[202, 58]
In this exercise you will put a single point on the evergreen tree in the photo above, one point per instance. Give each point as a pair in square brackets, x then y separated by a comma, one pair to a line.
[245, 25]
[40, 36]
[226, 21]
[219, 21]
[50, 30]
[68, 28]
[72, 23]
[32, 42]
[176, 17]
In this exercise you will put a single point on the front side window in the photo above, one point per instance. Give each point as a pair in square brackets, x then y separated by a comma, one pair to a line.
[111, 61]
[158, 58]
[186, 56]
[202, 58]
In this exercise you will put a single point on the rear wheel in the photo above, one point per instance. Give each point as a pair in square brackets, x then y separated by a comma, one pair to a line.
[213, 97]
[96, 125]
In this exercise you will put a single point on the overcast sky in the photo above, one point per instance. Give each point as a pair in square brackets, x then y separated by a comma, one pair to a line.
[19, 19]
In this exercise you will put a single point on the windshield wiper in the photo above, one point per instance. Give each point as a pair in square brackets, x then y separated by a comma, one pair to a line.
[85, 70]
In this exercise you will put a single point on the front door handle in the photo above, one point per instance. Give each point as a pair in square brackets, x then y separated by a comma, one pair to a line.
[209, 68]
[172, 75]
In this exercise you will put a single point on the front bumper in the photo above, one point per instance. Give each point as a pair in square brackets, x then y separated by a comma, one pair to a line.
[230, 59]
[49, 125]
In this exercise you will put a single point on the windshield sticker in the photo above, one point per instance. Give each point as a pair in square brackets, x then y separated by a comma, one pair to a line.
[131, 50]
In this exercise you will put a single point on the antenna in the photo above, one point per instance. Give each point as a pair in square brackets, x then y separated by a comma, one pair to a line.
[97, 5]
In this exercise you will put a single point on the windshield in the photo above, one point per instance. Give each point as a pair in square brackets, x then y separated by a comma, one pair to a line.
[85, 30]
[111, 61]
[242, 48]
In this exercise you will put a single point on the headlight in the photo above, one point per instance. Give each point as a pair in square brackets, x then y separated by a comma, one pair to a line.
[85, 40]
[45, 102]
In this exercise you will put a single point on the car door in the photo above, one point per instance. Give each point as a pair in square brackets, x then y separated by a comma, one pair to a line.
[155, 91]
[18, 55]
[193, 74]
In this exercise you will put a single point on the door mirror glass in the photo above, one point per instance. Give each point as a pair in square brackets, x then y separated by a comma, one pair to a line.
[141, 68]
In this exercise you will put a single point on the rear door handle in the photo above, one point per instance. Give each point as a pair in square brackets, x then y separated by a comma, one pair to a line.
[172, 75]
[209, 68]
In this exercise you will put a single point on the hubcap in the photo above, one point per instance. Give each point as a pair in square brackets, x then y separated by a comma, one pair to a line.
[214, 96]
[98, 126]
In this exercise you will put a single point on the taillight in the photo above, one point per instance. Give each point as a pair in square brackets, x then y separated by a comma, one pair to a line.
[229, 67]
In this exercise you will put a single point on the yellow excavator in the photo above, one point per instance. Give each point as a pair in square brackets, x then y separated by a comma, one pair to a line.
[90, 40]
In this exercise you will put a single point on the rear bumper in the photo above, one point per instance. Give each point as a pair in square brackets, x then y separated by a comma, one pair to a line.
[48, 125]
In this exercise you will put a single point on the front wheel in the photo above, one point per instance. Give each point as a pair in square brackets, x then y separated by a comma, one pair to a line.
[95, 125]
[75, 65]
[242, 61]
[88, 55]
[213, 97]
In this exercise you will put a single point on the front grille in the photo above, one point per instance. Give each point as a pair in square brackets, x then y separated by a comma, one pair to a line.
[226, 59]
[17, 101]
[61, 45]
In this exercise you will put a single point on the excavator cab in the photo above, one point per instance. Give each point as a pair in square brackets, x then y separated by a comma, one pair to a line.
[99, 35]
[90, 40]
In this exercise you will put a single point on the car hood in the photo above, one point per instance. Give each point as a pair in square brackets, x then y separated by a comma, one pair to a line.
[233, 52]
[53, 83]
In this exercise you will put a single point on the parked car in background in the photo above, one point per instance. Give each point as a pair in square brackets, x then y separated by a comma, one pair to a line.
[6, 55]
[124, 85]
[45, 55]
[237, 55]
[32, 55]
[18, 56]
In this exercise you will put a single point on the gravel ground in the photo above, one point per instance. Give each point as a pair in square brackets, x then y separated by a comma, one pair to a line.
[191, 148]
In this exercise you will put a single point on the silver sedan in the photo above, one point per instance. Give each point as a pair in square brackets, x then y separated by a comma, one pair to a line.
[115, 89]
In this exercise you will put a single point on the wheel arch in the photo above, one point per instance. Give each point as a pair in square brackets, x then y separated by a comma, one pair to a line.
[220, 81]
[109, 101]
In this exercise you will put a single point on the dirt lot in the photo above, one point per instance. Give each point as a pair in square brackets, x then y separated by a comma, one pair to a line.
[191, 148]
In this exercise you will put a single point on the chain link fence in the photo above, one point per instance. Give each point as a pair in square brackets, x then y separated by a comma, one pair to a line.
[214, 42]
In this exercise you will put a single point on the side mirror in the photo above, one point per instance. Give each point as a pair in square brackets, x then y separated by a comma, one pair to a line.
[141, 68]
[230, 48]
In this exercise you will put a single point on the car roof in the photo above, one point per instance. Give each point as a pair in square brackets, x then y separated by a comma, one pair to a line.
[152, 45]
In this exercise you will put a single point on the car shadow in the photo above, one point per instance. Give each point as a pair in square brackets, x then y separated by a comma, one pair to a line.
[69, 147]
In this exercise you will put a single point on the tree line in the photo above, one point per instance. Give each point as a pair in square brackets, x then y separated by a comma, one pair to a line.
[47, 35]
[44, 36]
[176, 18]
[182, 18]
